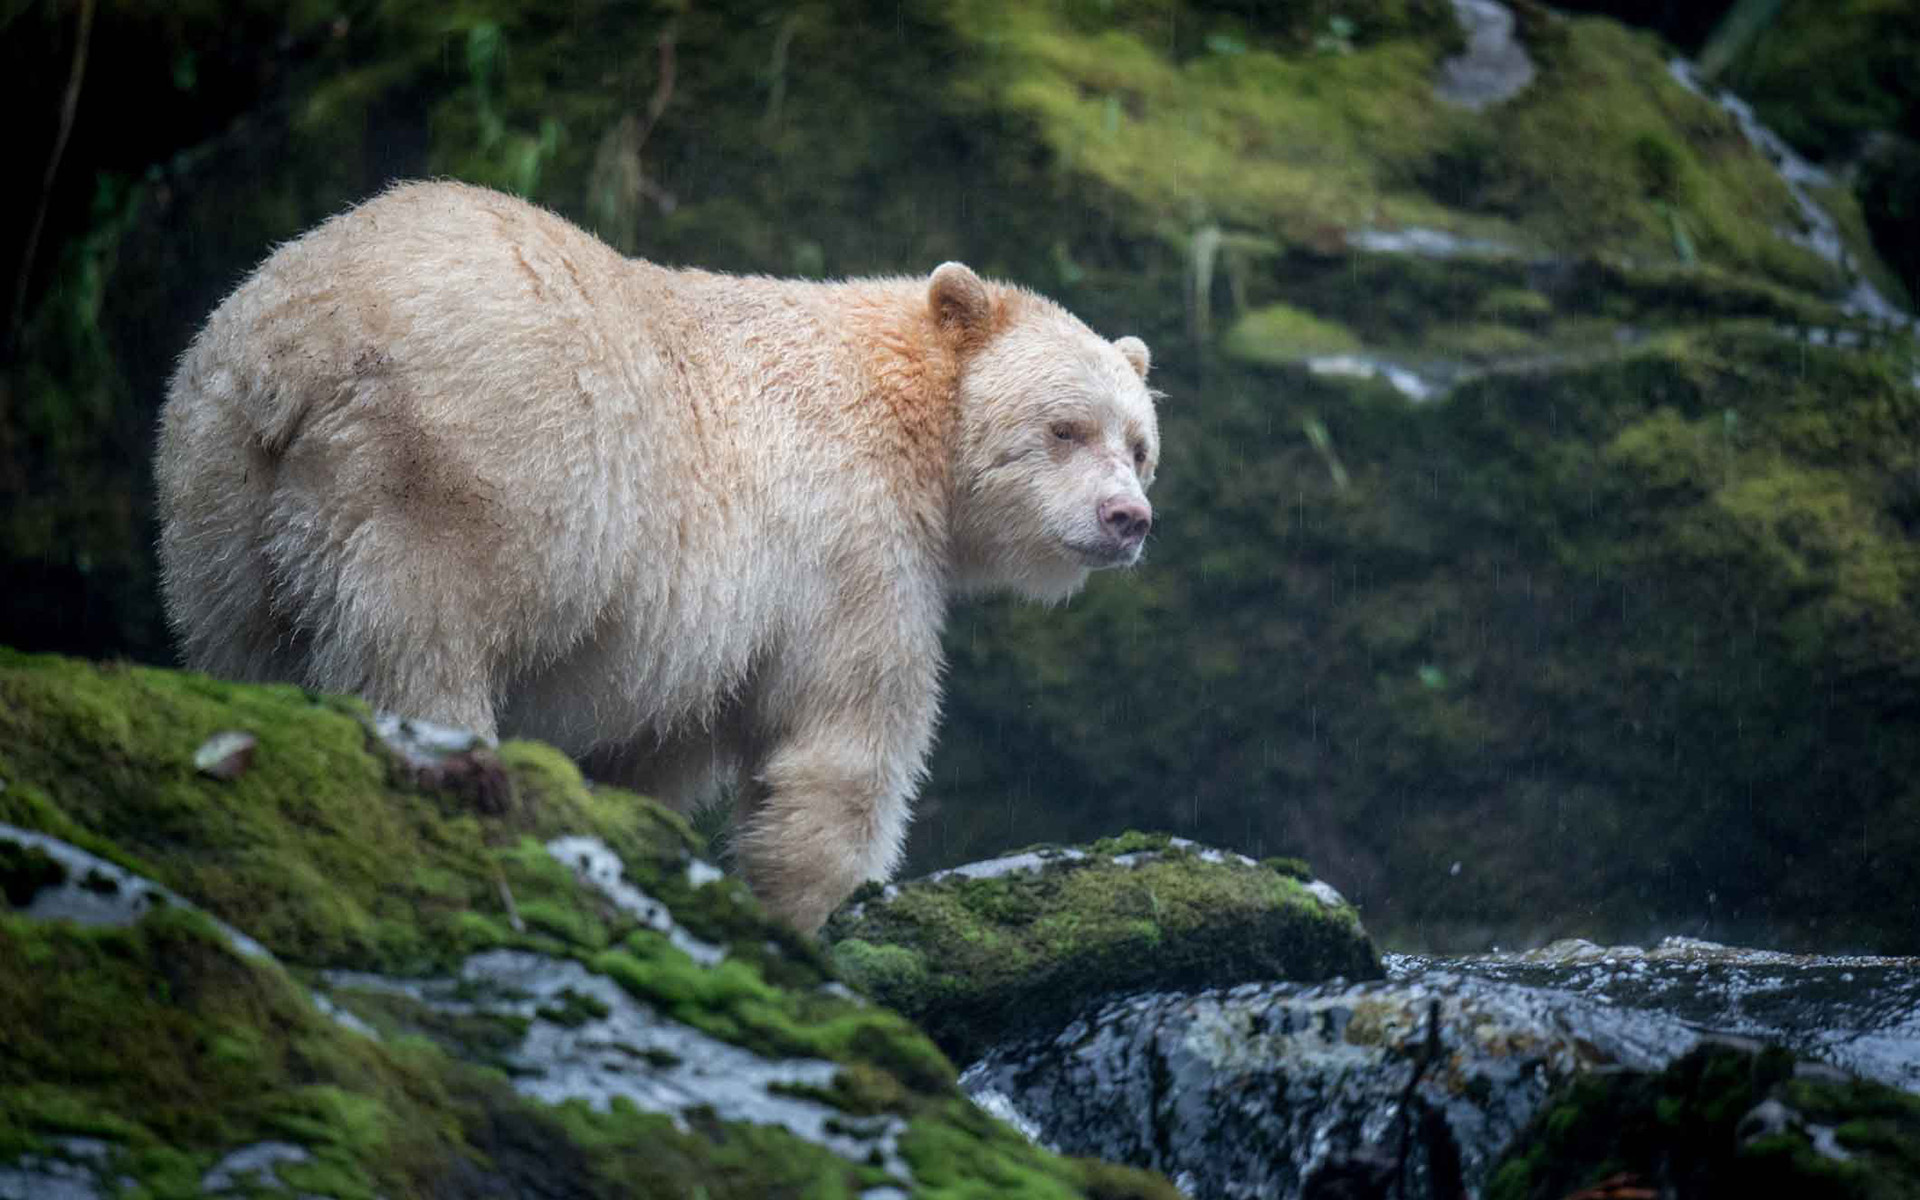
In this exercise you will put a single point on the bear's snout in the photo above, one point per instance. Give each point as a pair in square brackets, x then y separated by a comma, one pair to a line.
[1125, 520]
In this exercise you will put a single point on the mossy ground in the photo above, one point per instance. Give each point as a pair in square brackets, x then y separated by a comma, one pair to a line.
[1681, 1130]
[318, 850]
[162, 1040]
[975, 960]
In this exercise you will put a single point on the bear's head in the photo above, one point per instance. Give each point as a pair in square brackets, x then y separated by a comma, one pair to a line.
[1057, 440]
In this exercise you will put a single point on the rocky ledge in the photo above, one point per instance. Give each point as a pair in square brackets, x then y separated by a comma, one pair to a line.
[256, 943]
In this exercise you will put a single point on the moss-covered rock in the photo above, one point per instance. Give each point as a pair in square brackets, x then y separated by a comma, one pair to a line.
[349, 965]
[322, 849]
[1605, 153]
[989, 950]
[1727, 1120]
[1501, 657]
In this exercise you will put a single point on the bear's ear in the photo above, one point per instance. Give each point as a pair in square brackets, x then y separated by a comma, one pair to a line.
[958, 298]
[1135, 352]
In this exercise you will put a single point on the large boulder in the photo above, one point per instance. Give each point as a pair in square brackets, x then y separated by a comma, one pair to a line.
[1505, 1075]
[256, 942]
[984, 952]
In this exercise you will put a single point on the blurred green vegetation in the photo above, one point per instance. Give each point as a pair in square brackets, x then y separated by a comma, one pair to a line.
[1838, 81]
[1593, 647]
[1617, 638]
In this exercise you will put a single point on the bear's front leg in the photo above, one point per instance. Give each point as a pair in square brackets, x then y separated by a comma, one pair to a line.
[828, 808]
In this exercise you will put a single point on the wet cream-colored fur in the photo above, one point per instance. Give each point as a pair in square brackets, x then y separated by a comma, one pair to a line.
[451, 453]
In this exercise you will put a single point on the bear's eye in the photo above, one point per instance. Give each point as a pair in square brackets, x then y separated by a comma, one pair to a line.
[1064, 431]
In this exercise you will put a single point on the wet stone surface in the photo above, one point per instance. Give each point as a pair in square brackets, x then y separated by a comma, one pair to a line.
[571, 1034]
[1862, 1014]
[1423, 1080]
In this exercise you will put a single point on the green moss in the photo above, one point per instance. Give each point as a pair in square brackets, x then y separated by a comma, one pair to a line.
[733, 1001]
[975, 959]
[1615, 174]
[1679, 1125]
[1132, 841]
[944, 1151]
[1278, 334]
[1674, 295]
[1483, 342]
[884, 969]
[1488, 311]
[645, 1154]
[1604, 155]
[1515, 306]
[1753, 495]
[103, 756]
[1291, 868]
[1255, 135]
[164, 1041]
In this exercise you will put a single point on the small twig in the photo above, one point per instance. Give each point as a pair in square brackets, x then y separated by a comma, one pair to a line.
[68, 106]
[506, 900]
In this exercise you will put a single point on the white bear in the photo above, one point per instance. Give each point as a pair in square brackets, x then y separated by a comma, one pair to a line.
[452, 453]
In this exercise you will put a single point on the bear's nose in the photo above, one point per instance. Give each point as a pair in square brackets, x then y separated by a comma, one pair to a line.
[1127, 520]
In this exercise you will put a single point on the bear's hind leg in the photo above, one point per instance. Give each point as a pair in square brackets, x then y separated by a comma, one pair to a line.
[402, 630]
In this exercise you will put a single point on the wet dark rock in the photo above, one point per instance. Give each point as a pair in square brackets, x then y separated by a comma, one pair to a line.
[1859, 1013]
[992, 949]
[1259, 1090]
[1416, 1086]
